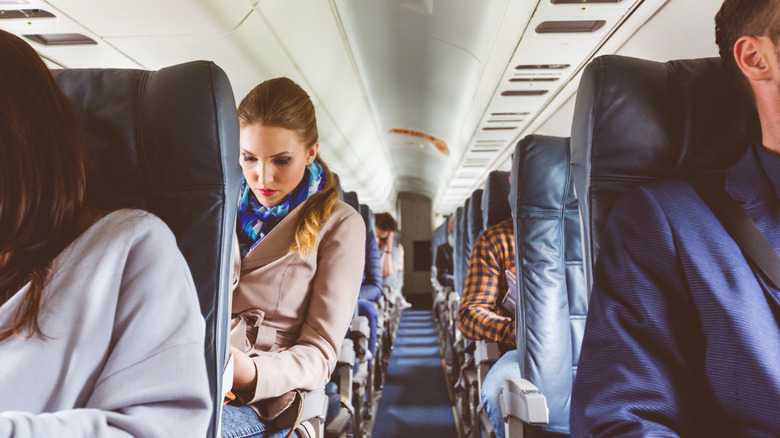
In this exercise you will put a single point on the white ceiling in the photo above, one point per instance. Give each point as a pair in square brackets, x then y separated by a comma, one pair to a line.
[434, 66]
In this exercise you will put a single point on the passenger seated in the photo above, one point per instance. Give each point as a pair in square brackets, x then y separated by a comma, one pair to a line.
[444, 263]
[298, 262]
[683, 334]
[392, 255]
[100, 328]
[481, 315]
[371, 289]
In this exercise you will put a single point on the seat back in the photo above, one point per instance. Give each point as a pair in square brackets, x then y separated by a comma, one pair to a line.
[351, 198]
[457, 266]
[439, 238]
[552, 298]
[475, 225]
[463, 250]
[368, 218]
[637, 121]
[495, 199]
[167, 142]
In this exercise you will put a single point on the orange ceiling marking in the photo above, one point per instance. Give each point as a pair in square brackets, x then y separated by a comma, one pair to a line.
[437, 142]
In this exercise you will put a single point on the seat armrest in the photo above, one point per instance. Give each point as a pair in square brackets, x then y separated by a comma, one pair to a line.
[486, 352]
[522, 400]
[360, 325]
[347, 353]
[315, 405]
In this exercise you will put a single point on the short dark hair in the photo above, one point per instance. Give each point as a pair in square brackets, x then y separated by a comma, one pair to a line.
[385, 222]
[738, 18]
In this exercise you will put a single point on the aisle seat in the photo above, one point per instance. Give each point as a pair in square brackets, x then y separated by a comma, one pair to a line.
[552, 297]
[167, 141]
[691, 119]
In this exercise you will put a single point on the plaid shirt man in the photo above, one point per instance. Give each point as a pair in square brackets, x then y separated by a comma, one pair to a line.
[481, 316]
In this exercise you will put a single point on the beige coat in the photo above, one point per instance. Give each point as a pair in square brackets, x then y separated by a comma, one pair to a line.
[297, 310]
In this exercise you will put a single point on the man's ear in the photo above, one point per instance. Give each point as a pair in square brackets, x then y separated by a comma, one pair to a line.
[754, 56]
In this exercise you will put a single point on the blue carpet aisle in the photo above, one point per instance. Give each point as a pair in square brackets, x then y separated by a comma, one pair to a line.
[415, 401]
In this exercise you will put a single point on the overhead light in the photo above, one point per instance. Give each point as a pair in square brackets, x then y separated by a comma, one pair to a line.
[27, 14]
[61, 39]
[13, 2]
[570, 26]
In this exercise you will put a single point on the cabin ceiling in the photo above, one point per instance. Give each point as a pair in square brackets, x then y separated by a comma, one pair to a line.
[440, 68]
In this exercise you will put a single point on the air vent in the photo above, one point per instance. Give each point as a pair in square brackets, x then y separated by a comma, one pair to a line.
[14, 2]
[573, 26]
[478, 151]
[61, 39]
[507, 114]
[506, 121]
[570, 2]
[502, 128]
[548, 79]
[24, 14]
[541, 66]
[524, 92]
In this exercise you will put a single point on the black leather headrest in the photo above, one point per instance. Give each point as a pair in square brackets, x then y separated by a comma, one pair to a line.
[475, 226]
[351, 198]
[495, 199]
[637, 121]
[167, 142]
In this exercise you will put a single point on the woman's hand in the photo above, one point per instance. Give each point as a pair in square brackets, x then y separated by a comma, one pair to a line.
[244, 371]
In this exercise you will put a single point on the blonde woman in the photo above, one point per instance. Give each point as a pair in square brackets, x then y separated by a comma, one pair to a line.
[299, 261]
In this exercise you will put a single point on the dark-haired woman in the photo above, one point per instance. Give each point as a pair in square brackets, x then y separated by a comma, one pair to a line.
[100, 329]
[299, 261]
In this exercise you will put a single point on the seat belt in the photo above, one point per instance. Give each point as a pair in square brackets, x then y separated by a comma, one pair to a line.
[738, 224]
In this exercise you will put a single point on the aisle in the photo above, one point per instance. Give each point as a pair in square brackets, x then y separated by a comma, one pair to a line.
[415, 401]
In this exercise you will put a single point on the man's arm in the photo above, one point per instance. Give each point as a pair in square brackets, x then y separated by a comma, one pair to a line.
[635, 375]
[477, 317]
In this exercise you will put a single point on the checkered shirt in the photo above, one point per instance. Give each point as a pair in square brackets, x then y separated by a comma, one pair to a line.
[481, 316]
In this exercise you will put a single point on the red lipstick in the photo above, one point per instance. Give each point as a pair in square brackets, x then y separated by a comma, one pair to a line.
[266, 192]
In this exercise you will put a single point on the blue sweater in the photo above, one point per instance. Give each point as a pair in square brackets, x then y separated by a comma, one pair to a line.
[371, 289]
[682, 335]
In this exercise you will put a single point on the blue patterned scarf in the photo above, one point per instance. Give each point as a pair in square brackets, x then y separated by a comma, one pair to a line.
[255, 221]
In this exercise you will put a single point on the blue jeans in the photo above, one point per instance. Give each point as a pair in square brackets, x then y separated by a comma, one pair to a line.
[505, 368]
[243, 422]
[368, 309]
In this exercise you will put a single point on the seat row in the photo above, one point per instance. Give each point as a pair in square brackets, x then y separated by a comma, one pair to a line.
[635, 122]
[167, 142]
